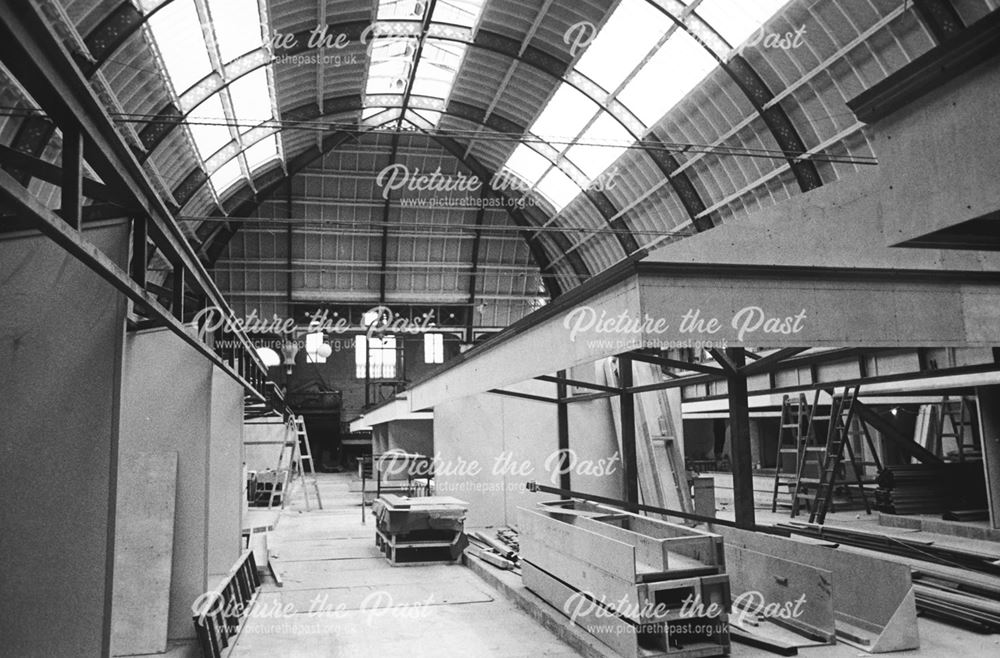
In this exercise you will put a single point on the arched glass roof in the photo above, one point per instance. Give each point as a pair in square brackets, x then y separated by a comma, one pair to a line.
[625, 123]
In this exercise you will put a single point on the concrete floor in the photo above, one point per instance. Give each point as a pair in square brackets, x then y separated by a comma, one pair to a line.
[340, 597]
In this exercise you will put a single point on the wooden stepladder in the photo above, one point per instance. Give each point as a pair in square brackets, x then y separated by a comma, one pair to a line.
[299, 455]
[959, 414]
[305, 461]
[843, 432]
[796, 437]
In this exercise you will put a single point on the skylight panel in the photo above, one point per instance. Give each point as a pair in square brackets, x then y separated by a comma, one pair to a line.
[377, 116]
[439, 62]
[602, 144]
[208, 125]
[423, 118]
[177, 31]
[458, 12]
[565, 115]
[261, 153]
[237, 27]
[673, 72]
[527, 163]
[409, 10]
[737, 20]
[389, 70]
[251, 99]
[225, 176]
[630, 33]
[149, 5]
[558, 188]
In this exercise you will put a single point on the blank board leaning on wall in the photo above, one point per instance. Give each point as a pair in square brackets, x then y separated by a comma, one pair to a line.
[61, 333]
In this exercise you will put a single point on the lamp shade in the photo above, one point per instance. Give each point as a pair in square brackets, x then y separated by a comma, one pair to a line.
[289, 350]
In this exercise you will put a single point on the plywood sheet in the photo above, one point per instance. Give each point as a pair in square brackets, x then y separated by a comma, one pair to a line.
[61, 332]
[144, 541]
[166, 401]
[225, 476]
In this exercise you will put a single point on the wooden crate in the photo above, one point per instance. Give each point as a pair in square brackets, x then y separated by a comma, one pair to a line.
[422, 547]
[420, 530]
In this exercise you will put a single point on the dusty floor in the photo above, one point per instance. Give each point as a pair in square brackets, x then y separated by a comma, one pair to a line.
[341, 598]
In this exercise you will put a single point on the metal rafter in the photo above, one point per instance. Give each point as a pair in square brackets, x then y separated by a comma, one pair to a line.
[37, 58]
[452, 146]
[940, 17]
[214, 243]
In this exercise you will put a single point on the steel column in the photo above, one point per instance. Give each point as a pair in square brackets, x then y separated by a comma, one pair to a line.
[562, 424]
[739, 440]
[627, 401]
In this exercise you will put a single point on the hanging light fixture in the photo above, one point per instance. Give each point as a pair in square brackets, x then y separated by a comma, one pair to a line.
[289, 350]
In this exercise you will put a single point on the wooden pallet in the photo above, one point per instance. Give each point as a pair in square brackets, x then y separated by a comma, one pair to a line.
[422, 547]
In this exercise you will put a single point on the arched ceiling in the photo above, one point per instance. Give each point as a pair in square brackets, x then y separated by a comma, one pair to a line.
[683, 105]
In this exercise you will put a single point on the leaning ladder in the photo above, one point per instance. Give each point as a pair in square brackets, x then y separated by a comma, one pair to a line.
[283, 472]
[959, 415]
[304, 461]
[838, 439]
[793, 437]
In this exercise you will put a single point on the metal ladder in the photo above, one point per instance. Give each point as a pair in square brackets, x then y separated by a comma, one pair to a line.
[839, 438]
[794, 434]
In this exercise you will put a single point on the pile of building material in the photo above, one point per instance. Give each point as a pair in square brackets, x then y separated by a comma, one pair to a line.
[930, 488]
[427, 529]
[491, 550]
[641, 586]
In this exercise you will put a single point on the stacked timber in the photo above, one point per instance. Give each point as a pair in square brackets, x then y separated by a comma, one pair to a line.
[426, 529]
[641, 586]
[930, 488]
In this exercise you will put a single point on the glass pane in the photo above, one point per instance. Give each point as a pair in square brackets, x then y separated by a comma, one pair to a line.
[565, 116]
[558, 188]
[237, 27]
[439, 62]
[401, 9]
[390, 65]
[527, 163]
[208, 124]
[667, 77]
[262, 152]
[603, 143]
[177, 31]
[226, 175]
[736, 20]
[628, 36]
[251, 99]
[433, 348]
[458, 12]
